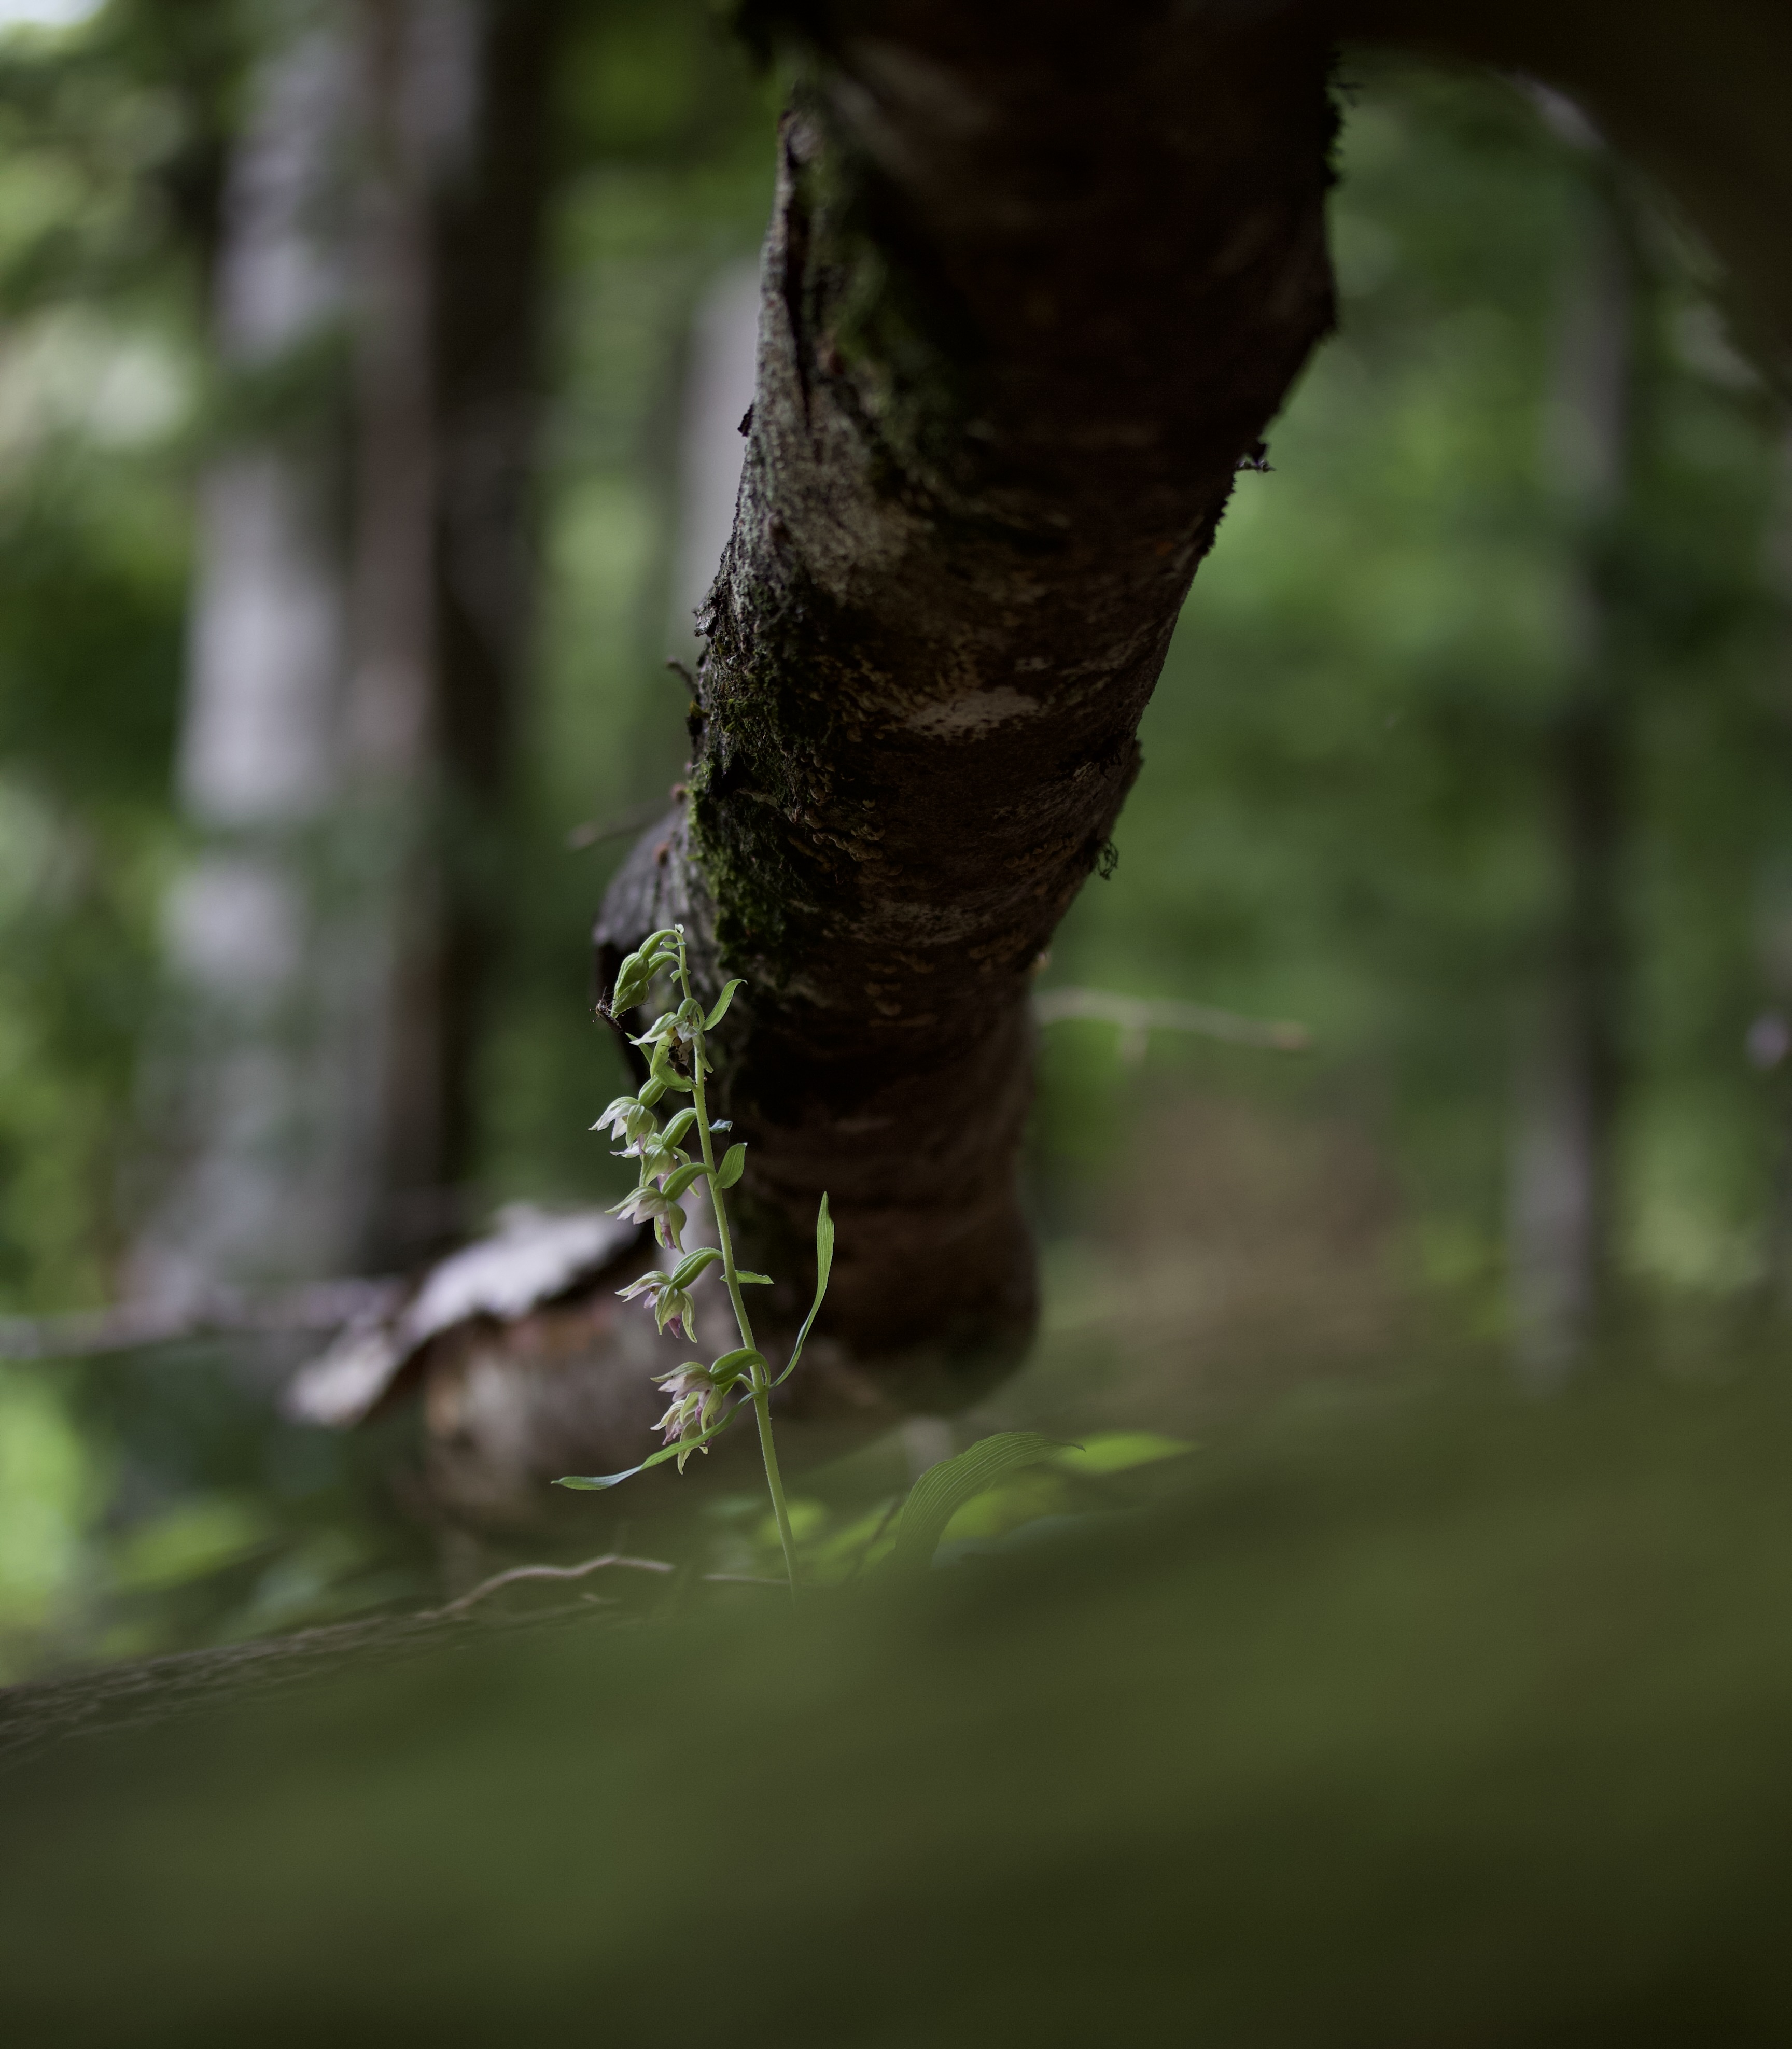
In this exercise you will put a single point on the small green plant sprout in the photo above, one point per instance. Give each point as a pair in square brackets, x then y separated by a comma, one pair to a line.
[702, 1400]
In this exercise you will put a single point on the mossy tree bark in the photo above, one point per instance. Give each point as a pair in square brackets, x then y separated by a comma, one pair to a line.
[1037, 278]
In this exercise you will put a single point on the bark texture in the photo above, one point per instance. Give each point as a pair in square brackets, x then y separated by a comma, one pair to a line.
[1037, 278]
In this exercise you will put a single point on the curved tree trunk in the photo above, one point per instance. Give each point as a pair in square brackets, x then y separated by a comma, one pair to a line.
[1036, 281]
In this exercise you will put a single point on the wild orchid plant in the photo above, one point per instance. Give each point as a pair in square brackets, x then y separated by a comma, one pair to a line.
[702, 1400]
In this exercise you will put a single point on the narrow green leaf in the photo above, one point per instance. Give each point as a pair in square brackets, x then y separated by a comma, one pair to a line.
[824, 1265]
[943, 1490]
[594, 1483]
[752, 1280]
[591, 1482]
[737, 1361]
[693, 1264]
[1119, 1451]
[722, 1002]
[676, 1183]
[733, 1162]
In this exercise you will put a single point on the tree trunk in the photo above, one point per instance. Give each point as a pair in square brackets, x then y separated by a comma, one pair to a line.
[360, 624]
[718, 395]
[1035, 283]
[1565, 1163]
[249, 1116]
[491, 297]
[452, 288]
[1768, 1044]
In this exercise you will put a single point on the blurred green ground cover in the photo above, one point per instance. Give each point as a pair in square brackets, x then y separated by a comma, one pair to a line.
[152, 1502]
[1451, 1717]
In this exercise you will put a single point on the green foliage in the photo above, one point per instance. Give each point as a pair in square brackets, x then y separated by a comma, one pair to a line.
[944, 1489]
[93, 574]
[678, 1046]
[47, 1483]
[1460, 1718]
[151, 1503]
[104, 133]
[1345, 816]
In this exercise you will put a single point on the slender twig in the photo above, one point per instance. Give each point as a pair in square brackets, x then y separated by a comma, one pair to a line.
[1139, 1016]
[517, 1572]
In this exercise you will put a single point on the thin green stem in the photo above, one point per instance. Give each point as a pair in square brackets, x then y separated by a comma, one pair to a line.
[762, 1412]
[761, 1386]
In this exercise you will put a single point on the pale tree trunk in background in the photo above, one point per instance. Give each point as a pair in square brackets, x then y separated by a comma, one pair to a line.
[1570, 1064]
[712, 446]
[250, 1106]
[360, 621]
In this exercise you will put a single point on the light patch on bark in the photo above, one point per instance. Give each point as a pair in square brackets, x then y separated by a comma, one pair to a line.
[969, 717]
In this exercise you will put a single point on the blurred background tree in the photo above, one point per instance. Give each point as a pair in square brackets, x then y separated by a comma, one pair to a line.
[1472, 753]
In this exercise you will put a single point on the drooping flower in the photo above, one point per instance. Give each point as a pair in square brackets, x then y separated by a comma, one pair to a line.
[632, 1121]
[660, 1030]
[670, 1305]
[694, 1406]
[659, 1161]
[668, 1218]
[674, 1306]
[643, 1283]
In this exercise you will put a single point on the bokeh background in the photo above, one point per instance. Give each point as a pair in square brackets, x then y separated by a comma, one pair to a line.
[1473, 757]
